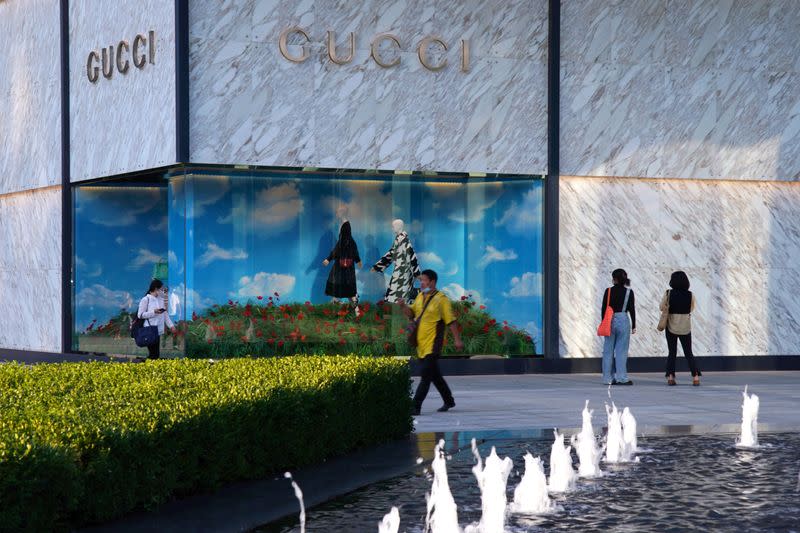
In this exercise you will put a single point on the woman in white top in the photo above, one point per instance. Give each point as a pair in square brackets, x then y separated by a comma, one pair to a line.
[152, 311]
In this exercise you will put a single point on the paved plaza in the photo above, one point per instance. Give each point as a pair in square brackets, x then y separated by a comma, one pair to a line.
[544, 401]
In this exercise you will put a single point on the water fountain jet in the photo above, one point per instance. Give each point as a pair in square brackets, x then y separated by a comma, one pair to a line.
[749, 432]
[562, 475]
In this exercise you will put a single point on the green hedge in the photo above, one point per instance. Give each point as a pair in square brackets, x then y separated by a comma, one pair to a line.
[85, 442]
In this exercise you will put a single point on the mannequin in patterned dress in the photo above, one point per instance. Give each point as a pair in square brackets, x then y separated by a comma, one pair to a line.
[406, 267]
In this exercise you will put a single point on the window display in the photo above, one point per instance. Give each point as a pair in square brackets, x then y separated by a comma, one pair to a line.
[284, 262]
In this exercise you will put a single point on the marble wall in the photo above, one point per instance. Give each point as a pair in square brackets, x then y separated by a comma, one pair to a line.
[30, 95]
[30, 270]
[249, 105]
[737, 241]
[699, 89]
[125, 123]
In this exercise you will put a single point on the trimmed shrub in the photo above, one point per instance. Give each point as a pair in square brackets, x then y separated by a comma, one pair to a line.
[83, 443]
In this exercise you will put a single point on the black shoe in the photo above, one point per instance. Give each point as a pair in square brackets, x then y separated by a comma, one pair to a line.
[629, 382]
[446, 407]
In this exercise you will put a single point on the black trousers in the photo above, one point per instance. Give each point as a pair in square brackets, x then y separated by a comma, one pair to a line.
[154, 350]
[672, 353]
[430, 372]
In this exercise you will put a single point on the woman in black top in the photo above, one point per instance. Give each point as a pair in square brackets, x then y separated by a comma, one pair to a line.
[678, 302]
[615, 349]
[342, 278]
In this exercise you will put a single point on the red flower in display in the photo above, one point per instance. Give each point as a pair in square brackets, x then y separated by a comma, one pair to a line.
[528, 339]
[308, 304]
[280, 344]
[247, 312]
[303, 338]
[300, 316]
[341, 340]
[352, 330]
[486, 328]
[386, 346]
[259, 297]
[463, 298]
[230, 302]
[482, 307]
[270, 341]
[194, 315]
[499, 333]
[212, 313]
[259, 334]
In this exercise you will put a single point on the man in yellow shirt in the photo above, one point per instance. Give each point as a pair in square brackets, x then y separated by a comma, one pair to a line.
[433, 313]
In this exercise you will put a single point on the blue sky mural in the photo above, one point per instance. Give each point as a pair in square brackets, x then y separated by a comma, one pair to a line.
[239, 237]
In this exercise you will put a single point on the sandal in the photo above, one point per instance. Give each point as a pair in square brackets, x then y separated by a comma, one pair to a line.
[671, 382]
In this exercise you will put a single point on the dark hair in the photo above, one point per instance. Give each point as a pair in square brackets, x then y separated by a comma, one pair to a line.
[346, 247]
[155, 284]
[620, 277]
[679, 280]
[430, 274]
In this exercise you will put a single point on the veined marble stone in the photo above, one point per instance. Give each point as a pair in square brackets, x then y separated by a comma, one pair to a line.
[681, 89]
[30, 95]
[125, 123]
[249, 105]
[30, 270]
[737, 241]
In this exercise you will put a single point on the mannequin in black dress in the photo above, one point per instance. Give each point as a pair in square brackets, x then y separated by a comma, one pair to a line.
[344, 256]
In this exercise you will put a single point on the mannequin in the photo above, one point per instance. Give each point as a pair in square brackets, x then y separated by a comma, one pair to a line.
[342, 278]
[406, 267]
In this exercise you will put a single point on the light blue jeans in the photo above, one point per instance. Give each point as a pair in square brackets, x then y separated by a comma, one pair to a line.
[615, 349]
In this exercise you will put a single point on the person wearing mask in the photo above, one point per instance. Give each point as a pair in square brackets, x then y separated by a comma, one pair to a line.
[432, 313]
[615, 348]
[153, 312]
[679, 303]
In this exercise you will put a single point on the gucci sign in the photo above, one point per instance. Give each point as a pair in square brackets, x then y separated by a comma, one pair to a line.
[119, 58]
[423, 49]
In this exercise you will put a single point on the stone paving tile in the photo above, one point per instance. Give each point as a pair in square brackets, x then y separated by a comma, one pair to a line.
[536, 401]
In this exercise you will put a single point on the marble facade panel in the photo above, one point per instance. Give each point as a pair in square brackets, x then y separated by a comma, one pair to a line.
[680, 89]
[736, 241]
[30, 225]
[125, 123]
[359, 115]
[30, 105]
[30, 270]
[30, 303]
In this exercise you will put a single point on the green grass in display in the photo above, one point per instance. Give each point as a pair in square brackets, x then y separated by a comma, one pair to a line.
[267, 327]
[83, 443]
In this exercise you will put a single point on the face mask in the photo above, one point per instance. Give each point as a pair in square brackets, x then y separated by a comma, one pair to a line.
[426, 290]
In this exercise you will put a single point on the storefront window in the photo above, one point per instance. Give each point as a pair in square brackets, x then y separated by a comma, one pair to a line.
[244, 253]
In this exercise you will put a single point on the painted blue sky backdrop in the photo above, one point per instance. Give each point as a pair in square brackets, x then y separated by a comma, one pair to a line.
[242, 237]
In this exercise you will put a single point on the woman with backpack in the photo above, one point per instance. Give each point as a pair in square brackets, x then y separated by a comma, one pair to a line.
[152, 313]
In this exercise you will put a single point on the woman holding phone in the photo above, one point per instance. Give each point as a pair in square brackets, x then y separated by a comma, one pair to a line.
[152, 311]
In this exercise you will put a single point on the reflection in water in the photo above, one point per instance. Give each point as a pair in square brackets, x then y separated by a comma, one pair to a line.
[682, 483]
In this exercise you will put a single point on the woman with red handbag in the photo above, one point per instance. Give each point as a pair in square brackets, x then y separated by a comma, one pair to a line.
[618, 302]
[344, 256]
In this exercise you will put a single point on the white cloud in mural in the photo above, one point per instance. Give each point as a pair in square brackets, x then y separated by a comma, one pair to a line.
[454, 291]
[265, 284]
[87, 271]
[429, 260]
[192, 299]
[102, 297]
[277, 208]
[473, 209]
[530, 284]
[493, 255]
[361, 201]
[174, 263]
[144, 257]
[237, 213]
[207, 191]
[452, 270]
[120, 240]
[217, 253]
[526, 218]
[159, 226]
[118, 208]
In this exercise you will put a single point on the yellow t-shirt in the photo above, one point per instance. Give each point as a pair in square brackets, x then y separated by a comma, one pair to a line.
[438, 309]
